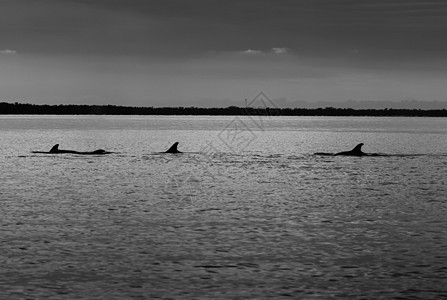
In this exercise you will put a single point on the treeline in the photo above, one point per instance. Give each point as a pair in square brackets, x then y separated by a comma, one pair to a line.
[69, 109]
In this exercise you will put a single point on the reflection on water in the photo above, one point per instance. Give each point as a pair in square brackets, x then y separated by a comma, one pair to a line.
[272, 221]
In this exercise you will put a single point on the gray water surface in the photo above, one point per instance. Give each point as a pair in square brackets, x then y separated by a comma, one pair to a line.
[247, 212]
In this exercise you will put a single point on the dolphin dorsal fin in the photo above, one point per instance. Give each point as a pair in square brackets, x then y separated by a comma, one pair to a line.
[173, 148]
[358, 148]
[55, 148]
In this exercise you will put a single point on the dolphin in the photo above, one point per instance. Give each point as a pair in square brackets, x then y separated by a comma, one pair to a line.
[55, 150]
[173, 149]
[357, 151]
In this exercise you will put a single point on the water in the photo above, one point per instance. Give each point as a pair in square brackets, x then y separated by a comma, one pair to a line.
[246, 212]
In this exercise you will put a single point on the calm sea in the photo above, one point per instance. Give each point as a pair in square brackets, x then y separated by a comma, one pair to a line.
[246, 212]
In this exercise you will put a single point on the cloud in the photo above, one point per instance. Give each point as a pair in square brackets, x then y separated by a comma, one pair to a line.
[274, 50]
[8, 51]
[280, 50]
[252, 52]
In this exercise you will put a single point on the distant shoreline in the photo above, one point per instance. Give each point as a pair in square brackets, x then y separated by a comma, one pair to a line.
[72, 109]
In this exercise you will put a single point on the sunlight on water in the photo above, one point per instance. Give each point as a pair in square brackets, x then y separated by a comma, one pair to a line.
[253, 215]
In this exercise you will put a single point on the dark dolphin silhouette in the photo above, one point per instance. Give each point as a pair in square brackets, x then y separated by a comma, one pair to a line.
[173, 149]
[357, 151]
[55, 150]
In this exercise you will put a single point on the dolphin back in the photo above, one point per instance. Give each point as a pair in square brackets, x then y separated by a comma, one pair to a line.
[357, 151]
[55, 150]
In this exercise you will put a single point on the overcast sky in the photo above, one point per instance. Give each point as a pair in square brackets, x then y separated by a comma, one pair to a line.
[190, 52]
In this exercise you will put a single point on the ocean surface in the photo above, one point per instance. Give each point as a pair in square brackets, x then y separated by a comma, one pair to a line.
[246, 212]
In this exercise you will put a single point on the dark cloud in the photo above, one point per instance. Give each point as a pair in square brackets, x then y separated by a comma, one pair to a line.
[190, 49]
[177, 27]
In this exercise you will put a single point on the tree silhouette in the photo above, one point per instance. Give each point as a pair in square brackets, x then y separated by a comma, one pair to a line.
[71, 109]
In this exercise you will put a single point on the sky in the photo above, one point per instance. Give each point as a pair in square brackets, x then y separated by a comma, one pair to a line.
[216, 53]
